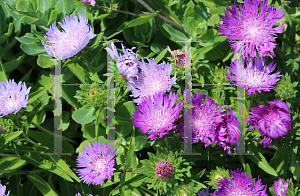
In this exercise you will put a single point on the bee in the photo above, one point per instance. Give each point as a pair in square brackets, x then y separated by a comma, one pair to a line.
[178, 57]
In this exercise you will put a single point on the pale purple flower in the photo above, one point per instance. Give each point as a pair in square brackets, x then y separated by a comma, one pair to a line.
[3, 189]
[206, 119]
[157, 118]
[153, 78]
[92, 2]
[273, 121]
[252, 27]
[13, 97]
[78, 194]
[97, 162]
[164, 169]
[127, 64]
[228, 132]
[256, 77]
[203, 192]
[279, 188]
[74, 37]
[241, 185]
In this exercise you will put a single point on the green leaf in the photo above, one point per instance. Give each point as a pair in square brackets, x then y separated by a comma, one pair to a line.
[176, 35]
[140, 142]
[45, 62]
[35, 95]
[43, 163]
[22, 6]
[78, 71]
[259, 160]
[53, 17]
[136, 22]
[248, 170]
[131, 159]
[14, 64]
[9, 137]
[84, 116]
[102, 16]
[42, 185]
[161, 55]
[28, 20]
[280, 160]
[4, 37]
[33, 49]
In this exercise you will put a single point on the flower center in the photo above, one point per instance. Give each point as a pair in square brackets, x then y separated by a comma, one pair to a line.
[100, 165]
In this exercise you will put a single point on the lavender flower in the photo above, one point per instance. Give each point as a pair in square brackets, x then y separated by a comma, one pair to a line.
[228, 132]
[253, 26]
[92, 2]
[241, 185]
[73, 39]
[274, 121]
[279, 188]
[97, 162]
[256, 75]
[206, 119]
[157, 118]
[13, 97]
[3, 189]
[127, 64]
[154, 78]
[203, 192]
[164, 169]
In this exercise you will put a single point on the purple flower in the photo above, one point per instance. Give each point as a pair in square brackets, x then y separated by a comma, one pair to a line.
[154, 78]
[228, 132]
[241, 185]
[279, 188]
[252, 26]
[164, 169]
[97, 162]
[274, 121]
[256, 76]
[127, 64]
[206, 119]
[92, 2]
[157, 118]
[203, 192]
[13, 97]
[73, 39]
[3, 189]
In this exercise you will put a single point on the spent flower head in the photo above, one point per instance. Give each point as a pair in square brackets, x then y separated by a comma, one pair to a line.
[74, 37]
[205, 120]
[272, 121]
[153, 78]
[240, 185]
[127, 64]
[164, 171]
[13, 97]
[279, 188]
[256, 77]
[92, 2]
[92, 96]
[158, 117]
[97, 161]
[179, 57]
[252, 27]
